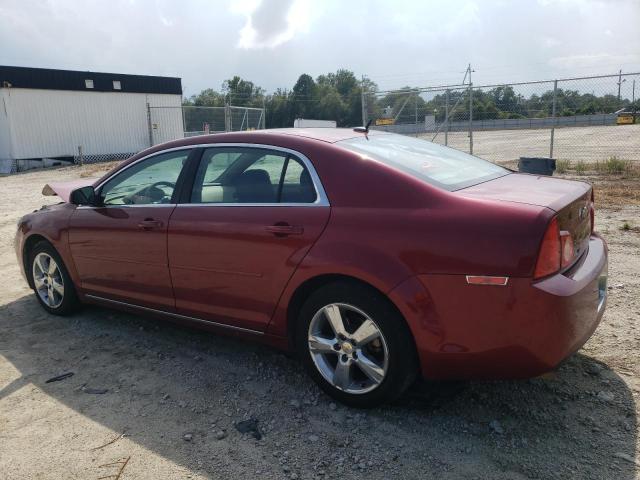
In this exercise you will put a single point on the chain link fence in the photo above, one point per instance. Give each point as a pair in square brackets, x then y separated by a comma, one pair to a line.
[587, 119]
[170, 123]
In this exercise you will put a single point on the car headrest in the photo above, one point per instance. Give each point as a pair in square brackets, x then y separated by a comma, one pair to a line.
[254, 186]
[255, 177]
[305, 178]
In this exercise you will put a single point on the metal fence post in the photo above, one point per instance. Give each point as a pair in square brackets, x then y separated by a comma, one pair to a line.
[446, 118]
[470, 118]
[227, 117]
[263, 114]
[149, 125]
[553, 116]
[363, 101]
[184, 121]
[416, 111]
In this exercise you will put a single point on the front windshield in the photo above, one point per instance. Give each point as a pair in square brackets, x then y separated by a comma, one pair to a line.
[441, 166]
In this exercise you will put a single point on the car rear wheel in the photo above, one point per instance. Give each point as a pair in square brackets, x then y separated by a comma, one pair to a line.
[355, 345]
[51, 281]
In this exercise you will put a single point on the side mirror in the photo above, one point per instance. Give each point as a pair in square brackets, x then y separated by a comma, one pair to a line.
[83, 196]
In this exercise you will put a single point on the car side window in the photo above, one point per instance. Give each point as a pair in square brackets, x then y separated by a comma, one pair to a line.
[251, 175]
[297, 186]
[150, 181]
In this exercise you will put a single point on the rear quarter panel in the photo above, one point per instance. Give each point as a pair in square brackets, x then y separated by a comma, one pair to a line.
[386, 226]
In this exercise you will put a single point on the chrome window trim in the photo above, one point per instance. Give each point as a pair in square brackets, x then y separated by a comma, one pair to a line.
[321, 197]
[139, 205]
[175, 315]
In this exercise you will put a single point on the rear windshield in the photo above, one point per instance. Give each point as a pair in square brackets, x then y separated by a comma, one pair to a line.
[441, 166]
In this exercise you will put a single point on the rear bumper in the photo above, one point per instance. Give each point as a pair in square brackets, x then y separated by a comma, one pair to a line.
[520, 330]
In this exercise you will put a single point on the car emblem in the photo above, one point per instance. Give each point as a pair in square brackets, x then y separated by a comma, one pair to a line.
[582, 213]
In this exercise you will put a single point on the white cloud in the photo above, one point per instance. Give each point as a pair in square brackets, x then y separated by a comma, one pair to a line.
[594, 61]
[551, 42]
[270, 23]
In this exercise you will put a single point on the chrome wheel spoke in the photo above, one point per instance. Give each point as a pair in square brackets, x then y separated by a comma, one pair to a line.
[366, 333]
[332, 312]
[370, 368]
[342, 375]
[57, 286]
[52, 267]
[38, 282]
[321, 345]
[40, 262]
[51, 296]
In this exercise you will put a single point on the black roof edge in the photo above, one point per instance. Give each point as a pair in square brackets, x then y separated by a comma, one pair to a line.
[53, 79]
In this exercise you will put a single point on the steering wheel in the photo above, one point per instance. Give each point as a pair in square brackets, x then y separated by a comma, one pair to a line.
[151, 194]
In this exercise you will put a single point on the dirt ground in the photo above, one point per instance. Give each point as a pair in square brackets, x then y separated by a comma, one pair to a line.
[174, 396]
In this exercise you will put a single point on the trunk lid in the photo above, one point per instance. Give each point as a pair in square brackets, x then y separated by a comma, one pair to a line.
[571, 200]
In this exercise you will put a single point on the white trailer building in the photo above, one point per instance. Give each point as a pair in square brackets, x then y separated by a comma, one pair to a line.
[61, 114]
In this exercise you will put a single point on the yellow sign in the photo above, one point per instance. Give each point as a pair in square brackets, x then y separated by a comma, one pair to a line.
[385, 121]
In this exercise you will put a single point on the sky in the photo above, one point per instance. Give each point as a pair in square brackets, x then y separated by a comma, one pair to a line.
[271, 42]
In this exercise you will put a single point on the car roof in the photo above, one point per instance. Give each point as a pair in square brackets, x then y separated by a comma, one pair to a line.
[328, 135]
[331, 135]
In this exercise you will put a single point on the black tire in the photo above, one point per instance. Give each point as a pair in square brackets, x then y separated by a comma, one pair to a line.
[401, 354]
[70, 302]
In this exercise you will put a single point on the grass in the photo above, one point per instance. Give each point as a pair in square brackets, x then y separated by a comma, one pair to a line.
[614, 166]
[581, 167]
[563, 166]
[626, 227]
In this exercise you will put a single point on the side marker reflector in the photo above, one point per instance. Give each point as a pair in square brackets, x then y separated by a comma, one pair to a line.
[486, 280]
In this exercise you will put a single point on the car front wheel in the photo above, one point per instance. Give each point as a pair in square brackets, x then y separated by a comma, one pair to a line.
[51, 281]
[356, 345]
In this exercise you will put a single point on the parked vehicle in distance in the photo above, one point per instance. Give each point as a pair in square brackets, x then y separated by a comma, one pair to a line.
[376, 257]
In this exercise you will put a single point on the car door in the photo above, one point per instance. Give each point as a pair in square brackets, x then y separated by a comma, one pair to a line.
[120, 247]
[252, 216]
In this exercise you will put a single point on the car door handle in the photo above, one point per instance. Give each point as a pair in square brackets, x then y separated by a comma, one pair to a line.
[149, 223]
[282, 230]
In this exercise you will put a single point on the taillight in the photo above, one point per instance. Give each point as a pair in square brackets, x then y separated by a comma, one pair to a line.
[556, 251]
[567, 249]
[592, 212]
[550, 251]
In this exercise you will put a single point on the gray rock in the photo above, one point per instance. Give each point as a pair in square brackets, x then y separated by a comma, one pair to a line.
[496, 427]
[313, 438]
[187, 437]
[220, 434]
[605, 396]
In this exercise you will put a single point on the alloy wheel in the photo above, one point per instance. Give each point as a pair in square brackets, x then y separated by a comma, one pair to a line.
[48, 281]
[348, 348]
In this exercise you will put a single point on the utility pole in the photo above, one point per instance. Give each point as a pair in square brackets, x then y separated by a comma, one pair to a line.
[619, 84]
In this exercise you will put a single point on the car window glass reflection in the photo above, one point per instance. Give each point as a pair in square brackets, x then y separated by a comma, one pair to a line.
[151, 181]
[245, 175]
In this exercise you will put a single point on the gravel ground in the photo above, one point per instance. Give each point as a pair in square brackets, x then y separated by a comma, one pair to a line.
[153, 400]
[589, 144]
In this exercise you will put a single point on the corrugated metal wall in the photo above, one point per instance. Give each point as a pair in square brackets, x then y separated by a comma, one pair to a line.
[53, 123]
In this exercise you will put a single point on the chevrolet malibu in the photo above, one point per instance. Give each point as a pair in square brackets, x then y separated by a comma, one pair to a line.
[375, 257]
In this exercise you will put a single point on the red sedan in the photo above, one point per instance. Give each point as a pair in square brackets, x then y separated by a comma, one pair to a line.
[376, 257]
